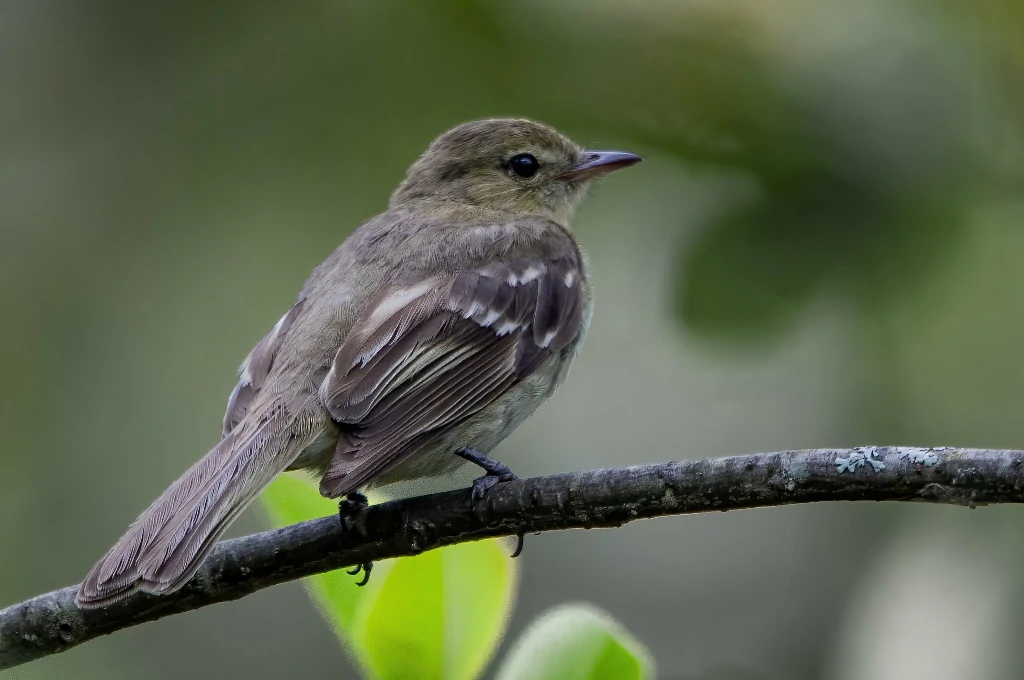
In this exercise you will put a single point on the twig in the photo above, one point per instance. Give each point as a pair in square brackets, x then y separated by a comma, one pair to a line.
[51, 623]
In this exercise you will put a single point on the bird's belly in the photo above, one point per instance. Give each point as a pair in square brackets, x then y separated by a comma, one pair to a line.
[319, 451]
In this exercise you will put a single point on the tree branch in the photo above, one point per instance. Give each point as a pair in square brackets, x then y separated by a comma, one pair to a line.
[51, 623]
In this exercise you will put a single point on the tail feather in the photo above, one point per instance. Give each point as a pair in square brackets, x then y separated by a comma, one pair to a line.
[166, 545]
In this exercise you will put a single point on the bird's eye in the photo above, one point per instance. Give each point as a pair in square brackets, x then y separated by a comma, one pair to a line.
[524, 165]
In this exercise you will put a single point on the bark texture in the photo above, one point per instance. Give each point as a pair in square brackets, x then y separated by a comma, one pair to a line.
[51, 623]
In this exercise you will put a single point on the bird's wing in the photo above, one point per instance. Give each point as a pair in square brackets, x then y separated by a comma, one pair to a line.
[428, 356]
[256, 369]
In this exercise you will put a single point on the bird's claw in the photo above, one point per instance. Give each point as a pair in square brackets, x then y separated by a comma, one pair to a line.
[519, 546]
[347, 507]
[481, 485]
[496, 472]
[495, 469]
[366, 568]
[350, 505]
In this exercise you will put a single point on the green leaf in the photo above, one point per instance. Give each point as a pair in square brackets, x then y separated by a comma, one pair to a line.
[289, 500]
[577, 642]
[436, 615]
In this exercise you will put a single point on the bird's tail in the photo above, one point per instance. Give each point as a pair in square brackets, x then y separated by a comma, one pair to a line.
[165, 546]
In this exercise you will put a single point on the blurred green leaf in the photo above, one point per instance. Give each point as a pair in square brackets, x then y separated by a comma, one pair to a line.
[289, 500]
[577, 642]
[864, 174]
[440, 614]
[750, 276]
[437, 615]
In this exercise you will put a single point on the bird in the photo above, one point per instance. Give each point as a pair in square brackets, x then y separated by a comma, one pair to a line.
[431, 333]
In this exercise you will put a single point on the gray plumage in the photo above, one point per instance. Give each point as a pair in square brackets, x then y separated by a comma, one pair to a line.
[441, 324]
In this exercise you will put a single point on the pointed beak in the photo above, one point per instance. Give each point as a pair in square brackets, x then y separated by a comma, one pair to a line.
[594, 163]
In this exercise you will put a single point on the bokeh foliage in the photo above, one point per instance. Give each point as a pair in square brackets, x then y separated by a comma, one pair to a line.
[576, 642]
[442, 614]
[436, 615]
[832, 190]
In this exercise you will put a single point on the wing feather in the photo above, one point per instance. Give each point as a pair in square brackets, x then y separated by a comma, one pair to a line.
[432, 354]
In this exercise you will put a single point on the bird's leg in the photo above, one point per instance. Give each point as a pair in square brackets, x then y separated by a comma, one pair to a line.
[347, 507]
[495, 469]
[496, 472]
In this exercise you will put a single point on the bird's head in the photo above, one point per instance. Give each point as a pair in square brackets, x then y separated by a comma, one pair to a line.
[507, 164]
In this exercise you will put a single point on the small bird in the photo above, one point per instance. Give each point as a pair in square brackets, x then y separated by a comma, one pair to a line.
[429, 335]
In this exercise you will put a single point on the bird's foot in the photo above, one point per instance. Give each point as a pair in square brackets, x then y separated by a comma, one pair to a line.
[496, 472]
[366, 568]
[347, 507]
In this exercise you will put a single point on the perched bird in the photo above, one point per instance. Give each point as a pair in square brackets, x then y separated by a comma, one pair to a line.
[430, 334]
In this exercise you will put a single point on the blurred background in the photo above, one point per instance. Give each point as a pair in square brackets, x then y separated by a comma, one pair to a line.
[823, 248]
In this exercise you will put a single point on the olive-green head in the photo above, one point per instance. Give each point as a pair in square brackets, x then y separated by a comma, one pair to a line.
[508, 164]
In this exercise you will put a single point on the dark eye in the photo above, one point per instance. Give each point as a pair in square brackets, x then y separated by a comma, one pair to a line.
[524, 165]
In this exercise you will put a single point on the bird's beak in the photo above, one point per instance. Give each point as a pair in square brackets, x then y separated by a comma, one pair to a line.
[594, 163]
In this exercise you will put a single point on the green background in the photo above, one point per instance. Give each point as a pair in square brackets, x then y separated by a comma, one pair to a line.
[822, 248]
